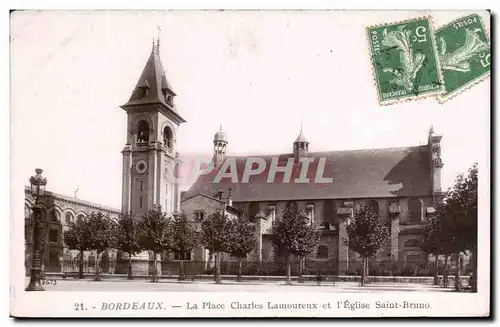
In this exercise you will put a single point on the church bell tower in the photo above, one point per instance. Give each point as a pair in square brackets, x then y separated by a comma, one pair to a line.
[150, 154]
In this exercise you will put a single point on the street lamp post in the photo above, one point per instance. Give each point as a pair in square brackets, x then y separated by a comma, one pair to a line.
[38, 183]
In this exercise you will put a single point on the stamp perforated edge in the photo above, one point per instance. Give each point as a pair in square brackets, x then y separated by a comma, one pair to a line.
[467, 86]
[438, 64]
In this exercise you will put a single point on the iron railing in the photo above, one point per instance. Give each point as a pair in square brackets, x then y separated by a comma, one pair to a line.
[255, 268]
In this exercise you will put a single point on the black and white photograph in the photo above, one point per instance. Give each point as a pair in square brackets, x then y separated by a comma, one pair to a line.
[247, 163]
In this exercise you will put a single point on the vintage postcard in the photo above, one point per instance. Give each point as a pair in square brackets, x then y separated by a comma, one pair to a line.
[250, 163]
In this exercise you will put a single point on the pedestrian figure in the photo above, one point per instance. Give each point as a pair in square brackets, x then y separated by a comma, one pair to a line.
[319, 278]
[445, 279]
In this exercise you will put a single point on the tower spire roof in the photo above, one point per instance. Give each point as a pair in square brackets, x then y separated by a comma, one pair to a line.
[301, 137]
[153, 86]
[220, 136]
[158, 40]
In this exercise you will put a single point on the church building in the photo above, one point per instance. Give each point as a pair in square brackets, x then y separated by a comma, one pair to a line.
[403, 184]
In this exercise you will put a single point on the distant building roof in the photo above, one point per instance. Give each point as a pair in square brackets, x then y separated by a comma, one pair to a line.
[229, 208]
[97, 206]
[389, 172]
[220, 136]
[301, 138]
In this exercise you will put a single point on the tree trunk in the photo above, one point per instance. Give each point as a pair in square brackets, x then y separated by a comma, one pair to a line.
[436, 269]
[238, 278]
[426, 262]
[367, 271]
[97, 276]
[211, 261]
[474, 271]
[363, 272]
[217, 268]
[301, 269]
[288, 270]
[130, 266]
[458, 284]
[80, 268]
[181, 270]
[155, 273]
[445, 271]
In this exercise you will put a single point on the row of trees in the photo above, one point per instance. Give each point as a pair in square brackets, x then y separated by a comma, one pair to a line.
[159, 233]
[293, 236]
[153, 232]
[453, 230]
[223, 234]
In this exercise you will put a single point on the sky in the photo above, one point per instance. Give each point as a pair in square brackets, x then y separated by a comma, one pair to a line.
[258, 74]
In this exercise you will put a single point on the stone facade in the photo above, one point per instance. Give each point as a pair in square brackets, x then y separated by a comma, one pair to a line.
[57, 212]
[191, 207]
[331, 224]
[403, 184]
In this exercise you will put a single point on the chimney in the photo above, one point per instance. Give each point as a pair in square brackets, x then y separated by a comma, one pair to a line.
[229, 198]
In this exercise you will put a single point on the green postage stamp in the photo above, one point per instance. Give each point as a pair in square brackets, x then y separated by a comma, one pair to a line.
[405, 60]
[464, 54]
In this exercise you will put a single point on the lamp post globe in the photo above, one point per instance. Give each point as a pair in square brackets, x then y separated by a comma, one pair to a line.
[37, 183]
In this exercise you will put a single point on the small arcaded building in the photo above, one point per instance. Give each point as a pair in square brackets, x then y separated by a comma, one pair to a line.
[57, 212]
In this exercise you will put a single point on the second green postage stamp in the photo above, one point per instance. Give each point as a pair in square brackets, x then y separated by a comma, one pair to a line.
[405, 60]
[464, 54]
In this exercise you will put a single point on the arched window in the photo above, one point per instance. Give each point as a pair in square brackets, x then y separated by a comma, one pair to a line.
[142, 132]
[80, 217]
[415, 210]
[329, 212]
[167, 137]
[54, 216]
[291, 205]
[68, 218]
[322, 252]
[373, 205]
[53, 235]
[412, 243]
[253, 210]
